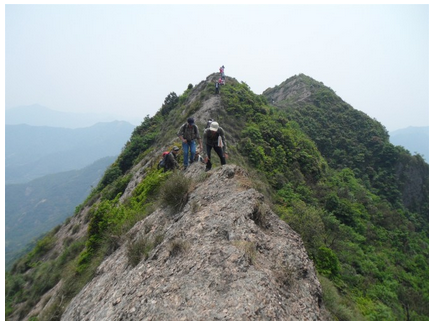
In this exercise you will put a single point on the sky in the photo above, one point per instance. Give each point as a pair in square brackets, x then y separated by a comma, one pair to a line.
[125, 59]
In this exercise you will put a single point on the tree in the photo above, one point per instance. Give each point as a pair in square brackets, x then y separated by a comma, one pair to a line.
[170, 103]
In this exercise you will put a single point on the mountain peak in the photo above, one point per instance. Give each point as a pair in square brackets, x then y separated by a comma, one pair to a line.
[297, 88]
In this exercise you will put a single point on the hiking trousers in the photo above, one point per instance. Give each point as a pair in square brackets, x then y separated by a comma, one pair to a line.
[219, 152]
[186, 147]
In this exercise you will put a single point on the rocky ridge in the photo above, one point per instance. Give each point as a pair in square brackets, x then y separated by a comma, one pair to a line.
[225, 256]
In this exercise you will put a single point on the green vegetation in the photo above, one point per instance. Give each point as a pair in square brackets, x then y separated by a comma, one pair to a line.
[109, 220]
[141, 248]
[348, 209]
[174, 192]
[36, 207]
[327, 169]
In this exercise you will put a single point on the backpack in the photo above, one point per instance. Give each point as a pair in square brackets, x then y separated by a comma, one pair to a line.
[194, 126]
[161, 163]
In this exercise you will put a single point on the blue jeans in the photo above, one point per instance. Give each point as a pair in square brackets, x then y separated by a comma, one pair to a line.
[192, 146]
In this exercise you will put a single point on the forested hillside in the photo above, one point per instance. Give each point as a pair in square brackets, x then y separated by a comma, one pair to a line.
[34, 208]
[359, 203]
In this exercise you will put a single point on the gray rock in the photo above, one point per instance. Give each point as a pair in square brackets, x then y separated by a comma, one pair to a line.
[226, 256]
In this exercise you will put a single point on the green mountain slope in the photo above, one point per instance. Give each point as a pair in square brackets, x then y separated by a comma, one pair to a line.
[359, 203]
[34, 208]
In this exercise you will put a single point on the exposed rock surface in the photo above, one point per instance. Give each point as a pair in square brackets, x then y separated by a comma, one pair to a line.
[225, 256]
[292, 89]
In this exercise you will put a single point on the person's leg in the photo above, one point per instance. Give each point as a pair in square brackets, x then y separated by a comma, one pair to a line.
[209, 163]
[185, 149]
[219, 152]
[193, 146]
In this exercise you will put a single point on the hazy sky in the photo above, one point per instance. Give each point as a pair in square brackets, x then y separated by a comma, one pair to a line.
[125, 59]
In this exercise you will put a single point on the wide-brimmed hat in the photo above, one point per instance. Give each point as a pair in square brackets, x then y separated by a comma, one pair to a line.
[175, 148]
[214, 126]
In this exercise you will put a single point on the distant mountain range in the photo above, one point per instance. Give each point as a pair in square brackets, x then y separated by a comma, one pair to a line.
[35, 151]
[414, 139]
[36, 207]
[50, 167]
[38, 115]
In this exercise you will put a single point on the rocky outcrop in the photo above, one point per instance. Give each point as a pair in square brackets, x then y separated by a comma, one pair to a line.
[225, 256]
[413, 172]
[297, 89]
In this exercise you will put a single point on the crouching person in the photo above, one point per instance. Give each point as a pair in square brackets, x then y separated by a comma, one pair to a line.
[171, 160]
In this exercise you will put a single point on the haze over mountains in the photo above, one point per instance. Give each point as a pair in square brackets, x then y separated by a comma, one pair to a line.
[38, 115]
[414, 139]
[35, 151]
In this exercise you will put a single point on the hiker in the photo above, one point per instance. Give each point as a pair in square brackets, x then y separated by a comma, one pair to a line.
[222, 72]
[221, 81]
[208, 123]
[171, 159]
[188, 134]
[217, 88]
[214, 138]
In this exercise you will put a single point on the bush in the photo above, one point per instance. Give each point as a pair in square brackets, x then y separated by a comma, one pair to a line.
[327, 262]
[111, 174]
[138, 250]
[141, 248]
[259, 215]
[248, 248]
[177, 246]
[174, 192]
[338, 306]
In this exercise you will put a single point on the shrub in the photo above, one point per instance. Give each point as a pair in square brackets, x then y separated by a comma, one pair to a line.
[306, 220]
[285, 275]
[338, 306]
[138, 250]
[327, 262]
[178, 246]
[248, 248]
[111, 174]
[259, 215]
[174, 192]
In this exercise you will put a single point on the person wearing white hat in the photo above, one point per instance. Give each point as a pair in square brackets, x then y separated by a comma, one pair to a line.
[214, 138]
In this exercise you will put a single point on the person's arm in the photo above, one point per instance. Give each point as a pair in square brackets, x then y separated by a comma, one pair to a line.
[198, 137]
[174, 160]
[222, 134]
[181, 133]
[205, 144]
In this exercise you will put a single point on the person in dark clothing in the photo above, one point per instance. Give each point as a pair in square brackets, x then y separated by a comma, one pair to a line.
[209, 121]
[188, 134]
[214, 138]
[217, 88]
[171, 160]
